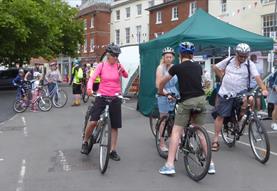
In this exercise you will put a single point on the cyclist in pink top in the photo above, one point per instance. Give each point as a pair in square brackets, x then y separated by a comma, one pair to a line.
[110, 85]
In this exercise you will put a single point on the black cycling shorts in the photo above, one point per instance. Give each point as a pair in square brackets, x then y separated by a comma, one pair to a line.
[76, 88]
[95, 87]
[115, 111]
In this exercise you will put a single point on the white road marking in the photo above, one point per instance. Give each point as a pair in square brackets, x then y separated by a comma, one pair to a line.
[271, 132]
[2, 123]
[246, 144]
[20, 182]
[63, 161]
[25, 132]
[1, 159]
[130, 108]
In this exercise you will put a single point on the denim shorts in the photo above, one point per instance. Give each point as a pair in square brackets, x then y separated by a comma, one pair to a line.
[165, 105]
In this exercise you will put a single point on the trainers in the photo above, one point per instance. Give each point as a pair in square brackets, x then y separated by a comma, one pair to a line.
[274, 126]
[211, 169]
[84, 149]
[167, 170]
[114, 156]
[164, 149]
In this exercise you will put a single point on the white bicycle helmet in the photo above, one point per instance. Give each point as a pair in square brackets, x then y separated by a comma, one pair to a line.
[168, 50]
[243, 49]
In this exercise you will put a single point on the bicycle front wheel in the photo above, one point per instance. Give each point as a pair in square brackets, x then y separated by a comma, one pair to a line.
[19, 106]
[162, 129]
[228, 134]
[90, 141]
[105, 145]
[197, 153]
[44, 103]
[259, 141]
[60, 98]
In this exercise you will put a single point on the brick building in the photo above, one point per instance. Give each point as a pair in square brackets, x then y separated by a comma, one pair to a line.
[168, 15]
[96, 18]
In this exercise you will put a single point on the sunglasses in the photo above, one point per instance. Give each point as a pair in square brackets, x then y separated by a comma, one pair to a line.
[243, 56]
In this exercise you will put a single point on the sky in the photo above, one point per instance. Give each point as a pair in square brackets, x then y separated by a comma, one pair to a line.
[73, 3]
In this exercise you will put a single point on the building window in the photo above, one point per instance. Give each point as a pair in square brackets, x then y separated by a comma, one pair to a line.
[91, 22]
[159, 17]
[85, 44]
[92, 43]
[139, 8]
[174, 16]
[223, 6]
[269, 26]
[85, 24]
[192, 8]
[117, 36]
[127, 30]
[117, 13]
[151, 3]
[138, 34]
[128, 12]
[158, 34]
[267, 1]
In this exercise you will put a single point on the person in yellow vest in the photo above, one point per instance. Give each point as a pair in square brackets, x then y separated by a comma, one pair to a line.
[76, 80]
[97, 80]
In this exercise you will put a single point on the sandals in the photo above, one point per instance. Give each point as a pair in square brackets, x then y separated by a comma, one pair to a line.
[215, 146]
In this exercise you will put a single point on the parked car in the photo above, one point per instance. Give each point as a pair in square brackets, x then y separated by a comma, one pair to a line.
[6, 78]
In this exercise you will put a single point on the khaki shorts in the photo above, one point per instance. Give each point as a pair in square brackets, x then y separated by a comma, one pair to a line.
[182, 113]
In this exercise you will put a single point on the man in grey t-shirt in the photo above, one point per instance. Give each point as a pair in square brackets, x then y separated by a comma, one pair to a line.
[235, 80]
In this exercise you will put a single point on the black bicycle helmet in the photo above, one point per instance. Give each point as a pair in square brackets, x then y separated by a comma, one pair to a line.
[113, 49]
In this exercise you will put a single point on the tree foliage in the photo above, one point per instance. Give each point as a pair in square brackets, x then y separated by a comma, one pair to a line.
[34, 28]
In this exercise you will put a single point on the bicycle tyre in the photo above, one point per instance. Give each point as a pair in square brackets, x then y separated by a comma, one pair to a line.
[188, 149]
[105, 145]
[44, 103]
[158, 136]
[260, 131]
[90, 140]
[19, 107]
[228, 135]
[85, 97]
[153, 122]
[60, 98]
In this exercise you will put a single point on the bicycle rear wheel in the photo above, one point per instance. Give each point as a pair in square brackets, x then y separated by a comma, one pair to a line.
[60, 98]
[228, 134]
[105, 145]
[259, 141]
[162, 123]
[44, 103]
[197, 153]
[153, 122]
[19, 106]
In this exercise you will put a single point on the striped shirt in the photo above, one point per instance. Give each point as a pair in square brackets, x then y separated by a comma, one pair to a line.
[235, 79]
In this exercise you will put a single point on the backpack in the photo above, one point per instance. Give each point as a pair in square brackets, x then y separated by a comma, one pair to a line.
[248, 69]
[271, 79]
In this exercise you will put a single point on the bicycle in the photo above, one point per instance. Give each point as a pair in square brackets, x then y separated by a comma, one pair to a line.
[102, 132]
[44, 103]
[195, 144]
[232, 130]
[58, 96]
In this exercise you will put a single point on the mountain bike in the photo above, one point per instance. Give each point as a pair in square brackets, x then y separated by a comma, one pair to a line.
[232, 129]
[44, 103]
[154, 117]
[102, 132]
[58, 96]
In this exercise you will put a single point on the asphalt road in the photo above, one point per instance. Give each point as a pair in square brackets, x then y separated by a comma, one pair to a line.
[7, 98]
[41, 152]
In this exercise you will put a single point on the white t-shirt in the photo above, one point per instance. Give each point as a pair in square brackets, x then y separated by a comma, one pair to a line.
[235, 79]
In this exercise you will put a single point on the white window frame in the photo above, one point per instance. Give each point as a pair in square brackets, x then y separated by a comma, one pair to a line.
[268, 25]
[85, 45]
[151, 3]
[174, 14]
[128, 12]
[128, 33]
[138, 33]
[158, 17]
[117, 36]
[92, 22]
[192, 7]
[267, 1]
[139, 9]
[117, 15]
[91, 44]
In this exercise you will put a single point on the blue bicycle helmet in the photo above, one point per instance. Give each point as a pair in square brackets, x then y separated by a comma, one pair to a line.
[186, 47]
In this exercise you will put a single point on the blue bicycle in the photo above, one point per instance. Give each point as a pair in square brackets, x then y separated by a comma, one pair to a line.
[58, 96]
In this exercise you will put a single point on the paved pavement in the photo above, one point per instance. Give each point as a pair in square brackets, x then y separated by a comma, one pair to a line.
[41, 152]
